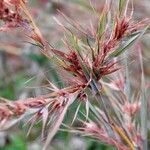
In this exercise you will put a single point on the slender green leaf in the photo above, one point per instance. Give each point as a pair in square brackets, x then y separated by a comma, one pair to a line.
[126, 44]
[144, 110]
[87, 109]
[103, 20]
[76, 113]
[121, 5]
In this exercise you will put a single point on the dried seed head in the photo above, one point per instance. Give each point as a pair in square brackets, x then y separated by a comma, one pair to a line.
[19, 108]
[121, 28]
[11, 17]
[5, 113]
[73, 59]
[35, 103]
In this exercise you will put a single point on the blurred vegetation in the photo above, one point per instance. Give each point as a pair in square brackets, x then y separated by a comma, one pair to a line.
[16, 142]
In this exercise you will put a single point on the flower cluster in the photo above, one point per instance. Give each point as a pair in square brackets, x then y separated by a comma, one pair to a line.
[10, 14]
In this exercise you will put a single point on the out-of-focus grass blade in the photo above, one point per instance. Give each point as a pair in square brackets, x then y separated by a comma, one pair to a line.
[76, 113]
[44, 120]
[127, 87]
[92, 108]
[87, 109]
[83, 3]
[144, 111]
[125, 45]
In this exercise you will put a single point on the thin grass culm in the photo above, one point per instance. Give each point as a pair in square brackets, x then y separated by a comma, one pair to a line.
[95, 64]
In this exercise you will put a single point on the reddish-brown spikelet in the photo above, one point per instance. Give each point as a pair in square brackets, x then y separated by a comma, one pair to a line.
[120, 28]
[11, 17]
[5, 112]
[19, 107]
